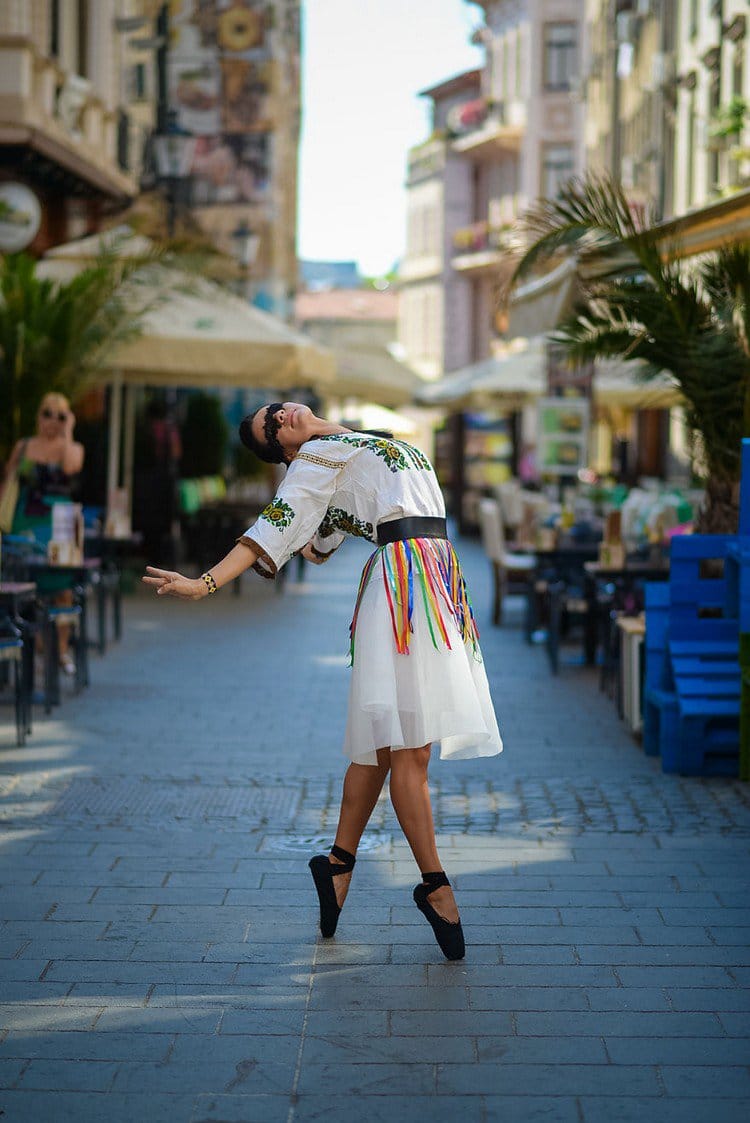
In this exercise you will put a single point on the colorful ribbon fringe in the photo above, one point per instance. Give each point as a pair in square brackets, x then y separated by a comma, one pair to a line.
[430, 564]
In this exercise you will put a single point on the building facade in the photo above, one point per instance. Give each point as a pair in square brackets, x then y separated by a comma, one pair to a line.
[503, 136]
[666, 85]
[234, 83]
[70, 131]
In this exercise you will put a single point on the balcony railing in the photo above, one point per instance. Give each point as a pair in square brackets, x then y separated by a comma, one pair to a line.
[481, 237]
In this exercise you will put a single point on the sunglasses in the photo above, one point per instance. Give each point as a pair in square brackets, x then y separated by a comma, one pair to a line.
[271, 426]
[50, 415]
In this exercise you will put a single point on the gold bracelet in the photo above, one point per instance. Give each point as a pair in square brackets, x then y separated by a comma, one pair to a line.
[210, 583]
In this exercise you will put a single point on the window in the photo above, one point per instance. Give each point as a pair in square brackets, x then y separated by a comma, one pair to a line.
[714, 102]
[738, 70]
[54, 28]
[140, 88]
[557, 167]
[693, 27]
[82, 61]
[559, 55]
[690, 185]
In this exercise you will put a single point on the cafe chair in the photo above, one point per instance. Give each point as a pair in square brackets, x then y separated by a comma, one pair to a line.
[566, 606]
[12, 658]
[511, 572]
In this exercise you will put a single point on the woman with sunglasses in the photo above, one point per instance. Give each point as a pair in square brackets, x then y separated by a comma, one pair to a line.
[47, 465]
[417, 671]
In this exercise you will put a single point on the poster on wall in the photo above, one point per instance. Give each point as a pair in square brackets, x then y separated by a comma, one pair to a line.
[563, 435]
[221, 85]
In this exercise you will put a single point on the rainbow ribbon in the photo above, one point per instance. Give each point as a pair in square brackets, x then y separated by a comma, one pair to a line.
[432, 565]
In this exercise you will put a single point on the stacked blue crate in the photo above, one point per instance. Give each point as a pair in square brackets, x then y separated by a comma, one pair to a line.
[738, 606]
[692, 689]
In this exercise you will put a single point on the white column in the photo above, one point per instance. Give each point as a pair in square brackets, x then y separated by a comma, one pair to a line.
[113, 450]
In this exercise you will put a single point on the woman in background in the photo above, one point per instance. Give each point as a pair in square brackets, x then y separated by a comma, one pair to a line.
[47, 465]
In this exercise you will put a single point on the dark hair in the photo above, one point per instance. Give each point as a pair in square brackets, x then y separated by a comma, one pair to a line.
[270, 455]
[262, 449]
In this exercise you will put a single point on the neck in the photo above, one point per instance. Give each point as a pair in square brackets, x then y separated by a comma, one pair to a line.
[323, 428]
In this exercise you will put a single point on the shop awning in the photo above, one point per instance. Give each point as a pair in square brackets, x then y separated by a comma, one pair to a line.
[541, 304]
[196, 333]
[617, 383]
[520, 375]
[514, 376]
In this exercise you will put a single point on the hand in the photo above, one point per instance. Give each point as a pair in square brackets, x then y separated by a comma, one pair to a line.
[308, 555]
[168, 583]
[69, 425]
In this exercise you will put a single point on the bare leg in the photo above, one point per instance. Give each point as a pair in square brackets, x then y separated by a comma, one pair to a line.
[363, 784]
[410, 796]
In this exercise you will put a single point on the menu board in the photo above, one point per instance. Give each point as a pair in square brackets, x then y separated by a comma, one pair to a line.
[563, 435]
[221, 85]
[488, 450]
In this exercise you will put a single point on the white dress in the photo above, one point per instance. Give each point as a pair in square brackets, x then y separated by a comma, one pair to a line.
[417, 670]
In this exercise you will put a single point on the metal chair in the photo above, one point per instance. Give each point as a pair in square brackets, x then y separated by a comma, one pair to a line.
[12, 656]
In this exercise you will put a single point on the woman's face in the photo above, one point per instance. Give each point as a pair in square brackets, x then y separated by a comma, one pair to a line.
[51, 418]
[288, 423]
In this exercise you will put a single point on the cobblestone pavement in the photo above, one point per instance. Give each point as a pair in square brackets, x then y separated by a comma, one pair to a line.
[158, 938]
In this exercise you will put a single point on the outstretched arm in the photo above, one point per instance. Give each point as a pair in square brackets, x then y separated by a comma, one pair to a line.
[168, 583]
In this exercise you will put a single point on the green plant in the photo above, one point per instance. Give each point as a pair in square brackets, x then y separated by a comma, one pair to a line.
[730, 119]
[57, 336]
[644, 303]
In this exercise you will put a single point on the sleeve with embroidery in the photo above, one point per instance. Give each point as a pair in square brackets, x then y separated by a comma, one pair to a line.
[295, 513]
[326, 539]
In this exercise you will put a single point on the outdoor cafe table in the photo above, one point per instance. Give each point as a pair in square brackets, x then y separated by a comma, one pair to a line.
[564, 561]
[627, 575]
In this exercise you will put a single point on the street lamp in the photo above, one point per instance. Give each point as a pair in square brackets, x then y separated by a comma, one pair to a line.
[245, 246]
[173, 152]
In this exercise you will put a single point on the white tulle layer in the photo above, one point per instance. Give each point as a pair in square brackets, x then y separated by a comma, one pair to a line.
[430, 695]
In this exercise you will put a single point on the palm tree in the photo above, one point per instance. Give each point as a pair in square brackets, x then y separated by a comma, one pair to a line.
[641, 303]
[56, 336]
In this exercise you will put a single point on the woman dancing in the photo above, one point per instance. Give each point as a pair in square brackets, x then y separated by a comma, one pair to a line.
[417, 671]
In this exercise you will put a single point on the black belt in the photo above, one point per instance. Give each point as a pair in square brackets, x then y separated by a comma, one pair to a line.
[415, 526]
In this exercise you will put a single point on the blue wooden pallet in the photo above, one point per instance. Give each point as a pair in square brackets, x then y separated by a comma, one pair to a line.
[692, 686]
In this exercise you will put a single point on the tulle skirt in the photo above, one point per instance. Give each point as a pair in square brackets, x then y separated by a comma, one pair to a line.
[417, 671]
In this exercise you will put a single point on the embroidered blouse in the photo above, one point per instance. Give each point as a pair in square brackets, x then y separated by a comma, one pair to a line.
[338, 485]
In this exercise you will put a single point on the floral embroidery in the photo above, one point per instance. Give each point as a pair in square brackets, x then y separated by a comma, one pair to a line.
[397, 454]
[338, 519]
[278, 514]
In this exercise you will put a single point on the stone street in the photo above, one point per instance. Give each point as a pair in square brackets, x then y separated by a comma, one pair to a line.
[160, 958]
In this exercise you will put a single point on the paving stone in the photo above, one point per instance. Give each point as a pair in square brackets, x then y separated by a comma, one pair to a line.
[68, 1076]
[87, 1046]
[621, 1023]
[676, 1051]
[86, 1107]
[636, 1109]
[667, 975]
[550, 1079]
[332, 1108]
[723, 1080]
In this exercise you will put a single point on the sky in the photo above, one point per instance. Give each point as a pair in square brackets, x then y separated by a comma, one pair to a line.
[364, 62]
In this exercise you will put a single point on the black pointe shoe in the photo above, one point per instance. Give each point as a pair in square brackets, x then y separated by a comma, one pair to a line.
[323, 873]
[448, 934]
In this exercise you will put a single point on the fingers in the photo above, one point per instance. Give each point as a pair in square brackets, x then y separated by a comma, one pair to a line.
[159, 572]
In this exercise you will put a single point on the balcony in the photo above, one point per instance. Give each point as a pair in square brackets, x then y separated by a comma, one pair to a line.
[54, 124]
[480, 128]
[483, 247]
